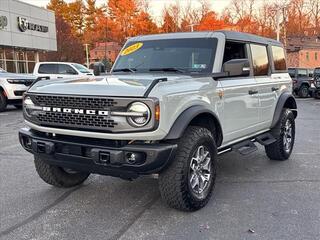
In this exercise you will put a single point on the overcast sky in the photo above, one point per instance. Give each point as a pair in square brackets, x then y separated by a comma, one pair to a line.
[156, 6]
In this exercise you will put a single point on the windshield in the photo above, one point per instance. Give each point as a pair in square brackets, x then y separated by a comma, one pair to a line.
[2, 71]
[174, 55]
[81, 68]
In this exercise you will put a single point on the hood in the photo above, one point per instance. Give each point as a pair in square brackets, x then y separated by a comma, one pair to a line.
[8, 75]
[128, 85]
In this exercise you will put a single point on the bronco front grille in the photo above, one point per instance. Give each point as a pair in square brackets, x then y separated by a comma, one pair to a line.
[76, 120]
[88, 113]
[74, 102]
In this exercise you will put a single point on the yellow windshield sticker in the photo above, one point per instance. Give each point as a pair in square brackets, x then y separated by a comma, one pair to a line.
[131, 49]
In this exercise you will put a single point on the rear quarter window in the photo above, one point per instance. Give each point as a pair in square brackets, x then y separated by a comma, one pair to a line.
[279, 59]
[48, 69]
[302, 73]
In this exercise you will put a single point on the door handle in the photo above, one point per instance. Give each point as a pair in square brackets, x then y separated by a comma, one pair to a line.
[252, 92]
[274, 89]
[59, 77]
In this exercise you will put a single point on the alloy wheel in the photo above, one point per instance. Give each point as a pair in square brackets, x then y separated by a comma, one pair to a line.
[200, 171]
[287, 136]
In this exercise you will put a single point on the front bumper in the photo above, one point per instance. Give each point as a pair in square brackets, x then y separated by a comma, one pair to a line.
[98, 156]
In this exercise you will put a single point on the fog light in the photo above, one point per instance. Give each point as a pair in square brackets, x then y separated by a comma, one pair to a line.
[134, 158]
[27, 142]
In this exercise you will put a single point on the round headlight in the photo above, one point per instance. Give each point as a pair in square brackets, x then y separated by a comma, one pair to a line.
[140, 114]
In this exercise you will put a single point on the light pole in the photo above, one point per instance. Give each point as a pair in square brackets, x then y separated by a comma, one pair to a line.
[87, 54]
[192, 25]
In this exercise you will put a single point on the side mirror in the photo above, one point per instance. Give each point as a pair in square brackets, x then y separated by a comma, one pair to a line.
[237, 68]
[97, 70]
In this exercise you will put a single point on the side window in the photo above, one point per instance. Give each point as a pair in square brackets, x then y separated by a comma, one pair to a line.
[234, 50]
[48, 69]
[279, 59]
[302, 73]
[260, 60]
[66, 70]
[310, 73]
[292, 72]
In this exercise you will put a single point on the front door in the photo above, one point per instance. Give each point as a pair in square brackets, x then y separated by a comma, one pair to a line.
[240, 98]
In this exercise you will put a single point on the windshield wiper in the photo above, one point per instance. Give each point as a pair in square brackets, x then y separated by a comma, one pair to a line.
[168, 69]
[125, 70]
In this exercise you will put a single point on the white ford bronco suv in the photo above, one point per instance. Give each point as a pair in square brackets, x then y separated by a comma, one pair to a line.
[171, 104]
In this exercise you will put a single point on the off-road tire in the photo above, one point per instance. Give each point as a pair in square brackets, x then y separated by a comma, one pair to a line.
[3, 101]
[317, 94]
[174, 183]
[57, 176]
[276, 150]
[303, 91]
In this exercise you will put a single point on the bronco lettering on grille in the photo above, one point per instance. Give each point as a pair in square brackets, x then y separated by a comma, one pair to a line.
[76, 111]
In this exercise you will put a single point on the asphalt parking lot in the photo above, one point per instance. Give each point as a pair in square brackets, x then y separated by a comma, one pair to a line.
[255, 198]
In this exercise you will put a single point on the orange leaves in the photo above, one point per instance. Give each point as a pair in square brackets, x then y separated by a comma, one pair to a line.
[211, 21]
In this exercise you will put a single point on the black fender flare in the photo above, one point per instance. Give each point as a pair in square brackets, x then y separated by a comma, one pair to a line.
[185, 118]
[286, 99]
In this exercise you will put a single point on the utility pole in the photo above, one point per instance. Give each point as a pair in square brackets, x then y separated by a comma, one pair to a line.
[279, 9]
[284, 27]
[278, 23]
[192, 25]
[87, 54]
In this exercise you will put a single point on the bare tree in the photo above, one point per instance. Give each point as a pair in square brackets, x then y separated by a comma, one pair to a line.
[314, 8]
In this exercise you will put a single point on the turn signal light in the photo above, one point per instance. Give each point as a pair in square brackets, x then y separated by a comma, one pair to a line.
[157, 112]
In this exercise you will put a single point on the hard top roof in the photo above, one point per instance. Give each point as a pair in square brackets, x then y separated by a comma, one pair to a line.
[230, 35]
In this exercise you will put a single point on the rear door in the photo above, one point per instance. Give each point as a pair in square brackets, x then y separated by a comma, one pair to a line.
[270, 73]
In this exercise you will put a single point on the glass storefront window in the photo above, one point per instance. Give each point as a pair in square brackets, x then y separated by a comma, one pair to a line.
[1, 53]
[9, 54]
[20, 56]
[17, 60]
[11, 66]
[31, 66]
[22, 67]
[2, 64]
[31, 56]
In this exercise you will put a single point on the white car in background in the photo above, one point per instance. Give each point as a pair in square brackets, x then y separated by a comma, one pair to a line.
[12, 87]
[61, 70]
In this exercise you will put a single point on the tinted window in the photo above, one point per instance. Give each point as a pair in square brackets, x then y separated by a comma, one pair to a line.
[48, 69]
[302, 73]
[317, 71]
[260, 60]
[187, 55]
[66, 70]
[81, 68]
[292, 72]
[234, 50]
[279, 58]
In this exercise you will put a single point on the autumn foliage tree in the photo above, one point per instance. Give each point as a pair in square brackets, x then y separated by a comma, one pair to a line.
[118, 20]
[70, 48]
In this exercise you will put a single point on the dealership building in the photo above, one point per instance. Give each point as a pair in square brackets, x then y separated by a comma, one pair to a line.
[25, 32]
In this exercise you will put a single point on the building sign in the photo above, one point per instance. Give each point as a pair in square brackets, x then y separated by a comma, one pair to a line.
[25, 25]
[3, 22]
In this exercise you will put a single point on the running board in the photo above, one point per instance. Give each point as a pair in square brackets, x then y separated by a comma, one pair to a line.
[245, 147]
[265, 139]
